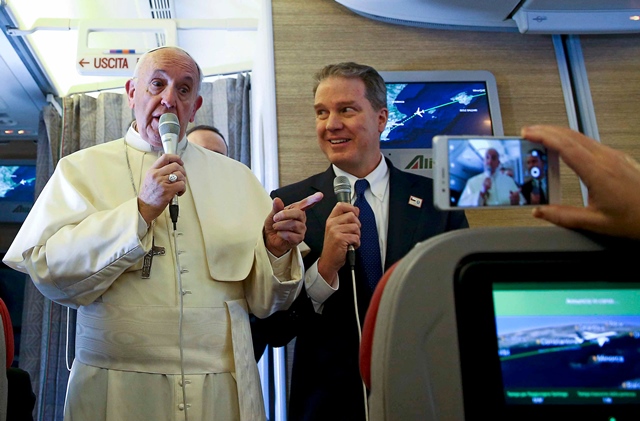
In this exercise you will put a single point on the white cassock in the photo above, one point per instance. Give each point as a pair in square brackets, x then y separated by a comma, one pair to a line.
[499, 193]
[83, 245]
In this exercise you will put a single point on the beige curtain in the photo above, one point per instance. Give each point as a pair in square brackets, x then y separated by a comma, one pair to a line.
[48, 335]
[47, 346]
[226, 105]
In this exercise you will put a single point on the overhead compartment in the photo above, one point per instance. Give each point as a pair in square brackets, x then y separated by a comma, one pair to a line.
[528, 16]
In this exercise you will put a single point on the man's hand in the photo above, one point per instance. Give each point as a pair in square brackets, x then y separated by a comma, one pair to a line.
[611, 177]
[535, 198]
[484, 192]
[514, 197]
[285, 227]
[157, 191]
[486, 185]
[341, 231]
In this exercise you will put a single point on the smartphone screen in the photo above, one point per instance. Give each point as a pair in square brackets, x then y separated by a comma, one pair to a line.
[489, 172]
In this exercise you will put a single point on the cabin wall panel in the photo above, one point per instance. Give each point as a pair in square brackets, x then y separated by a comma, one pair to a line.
[613, 70]
[313, 33]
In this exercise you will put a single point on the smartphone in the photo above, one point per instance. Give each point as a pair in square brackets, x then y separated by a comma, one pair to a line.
[488, 172]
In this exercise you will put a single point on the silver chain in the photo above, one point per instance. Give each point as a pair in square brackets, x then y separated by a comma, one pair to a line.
[126, 154]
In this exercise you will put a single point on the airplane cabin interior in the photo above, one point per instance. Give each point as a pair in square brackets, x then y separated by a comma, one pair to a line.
[510, 319]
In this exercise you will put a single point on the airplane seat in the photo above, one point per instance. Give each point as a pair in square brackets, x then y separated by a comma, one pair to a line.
[518, 323]
[369, 324]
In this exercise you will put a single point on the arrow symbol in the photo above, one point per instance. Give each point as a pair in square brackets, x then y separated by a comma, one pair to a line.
[82, 62]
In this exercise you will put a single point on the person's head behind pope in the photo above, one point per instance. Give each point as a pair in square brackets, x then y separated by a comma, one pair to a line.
[208, 137]
[165, 80]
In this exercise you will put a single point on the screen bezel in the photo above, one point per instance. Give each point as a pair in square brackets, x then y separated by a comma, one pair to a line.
[480, 364]
[420, 160]
[439, 76]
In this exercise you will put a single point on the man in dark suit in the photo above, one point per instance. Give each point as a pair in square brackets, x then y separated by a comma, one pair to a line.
[534, 190]
[351, 113]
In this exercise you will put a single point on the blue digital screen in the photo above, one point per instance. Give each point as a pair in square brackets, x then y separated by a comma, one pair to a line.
[17, 191]
[420, 110]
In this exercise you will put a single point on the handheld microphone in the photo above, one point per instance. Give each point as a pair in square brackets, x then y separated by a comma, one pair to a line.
[169, 129]
[342, 189]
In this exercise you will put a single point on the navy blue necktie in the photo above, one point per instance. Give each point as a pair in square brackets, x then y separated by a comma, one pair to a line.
[369, 251]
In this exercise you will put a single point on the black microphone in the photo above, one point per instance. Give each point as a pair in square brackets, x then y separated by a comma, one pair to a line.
[342, 189]
[169, 129]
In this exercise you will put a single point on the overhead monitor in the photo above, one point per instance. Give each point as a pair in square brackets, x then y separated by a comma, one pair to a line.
[423, 104]
[17, 189]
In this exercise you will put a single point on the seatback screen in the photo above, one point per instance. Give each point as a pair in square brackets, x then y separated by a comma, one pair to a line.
[568, 343]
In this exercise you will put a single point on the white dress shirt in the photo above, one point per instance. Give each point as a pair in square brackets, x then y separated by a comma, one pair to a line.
[378, 198]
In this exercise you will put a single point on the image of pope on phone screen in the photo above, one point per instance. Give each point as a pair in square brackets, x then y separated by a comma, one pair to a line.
[495, 186]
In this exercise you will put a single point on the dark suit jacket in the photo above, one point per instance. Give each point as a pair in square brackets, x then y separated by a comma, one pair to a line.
[326, 383]
[526, 190]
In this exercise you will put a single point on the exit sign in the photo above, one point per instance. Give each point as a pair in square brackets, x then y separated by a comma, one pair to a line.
[107, 64]
[141, 34]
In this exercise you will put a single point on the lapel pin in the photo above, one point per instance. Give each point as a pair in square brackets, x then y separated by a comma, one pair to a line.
[415, 201]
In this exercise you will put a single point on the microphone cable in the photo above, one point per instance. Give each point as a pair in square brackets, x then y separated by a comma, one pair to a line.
[181, 294]
[66, 347]
[355, 303]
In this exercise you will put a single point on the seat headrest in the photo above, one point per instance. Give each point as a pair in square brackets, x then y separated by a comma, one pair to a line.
[369, 327]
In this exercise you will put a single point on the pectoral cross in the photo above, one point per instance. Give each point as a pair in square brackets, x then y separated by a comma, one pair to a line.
[148, 259]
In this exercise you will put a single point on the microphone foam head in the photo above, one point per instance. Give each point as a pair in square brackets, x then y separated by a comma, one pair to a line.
[169, 124]
[342, 188]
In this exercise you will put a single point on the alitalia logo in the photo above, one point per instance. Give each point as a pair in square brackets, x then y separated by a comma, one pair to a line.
[420, 162]
[21, 209]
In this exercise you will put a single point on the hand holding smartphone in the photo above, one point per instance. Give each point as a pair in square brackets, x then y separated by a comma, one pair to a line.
[493, 172]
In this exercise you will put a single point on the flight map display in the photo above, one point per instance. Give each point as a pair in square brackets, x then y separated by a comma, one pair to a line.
[17, 191]
[420, 110]
[568, 345]
[17, 183]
